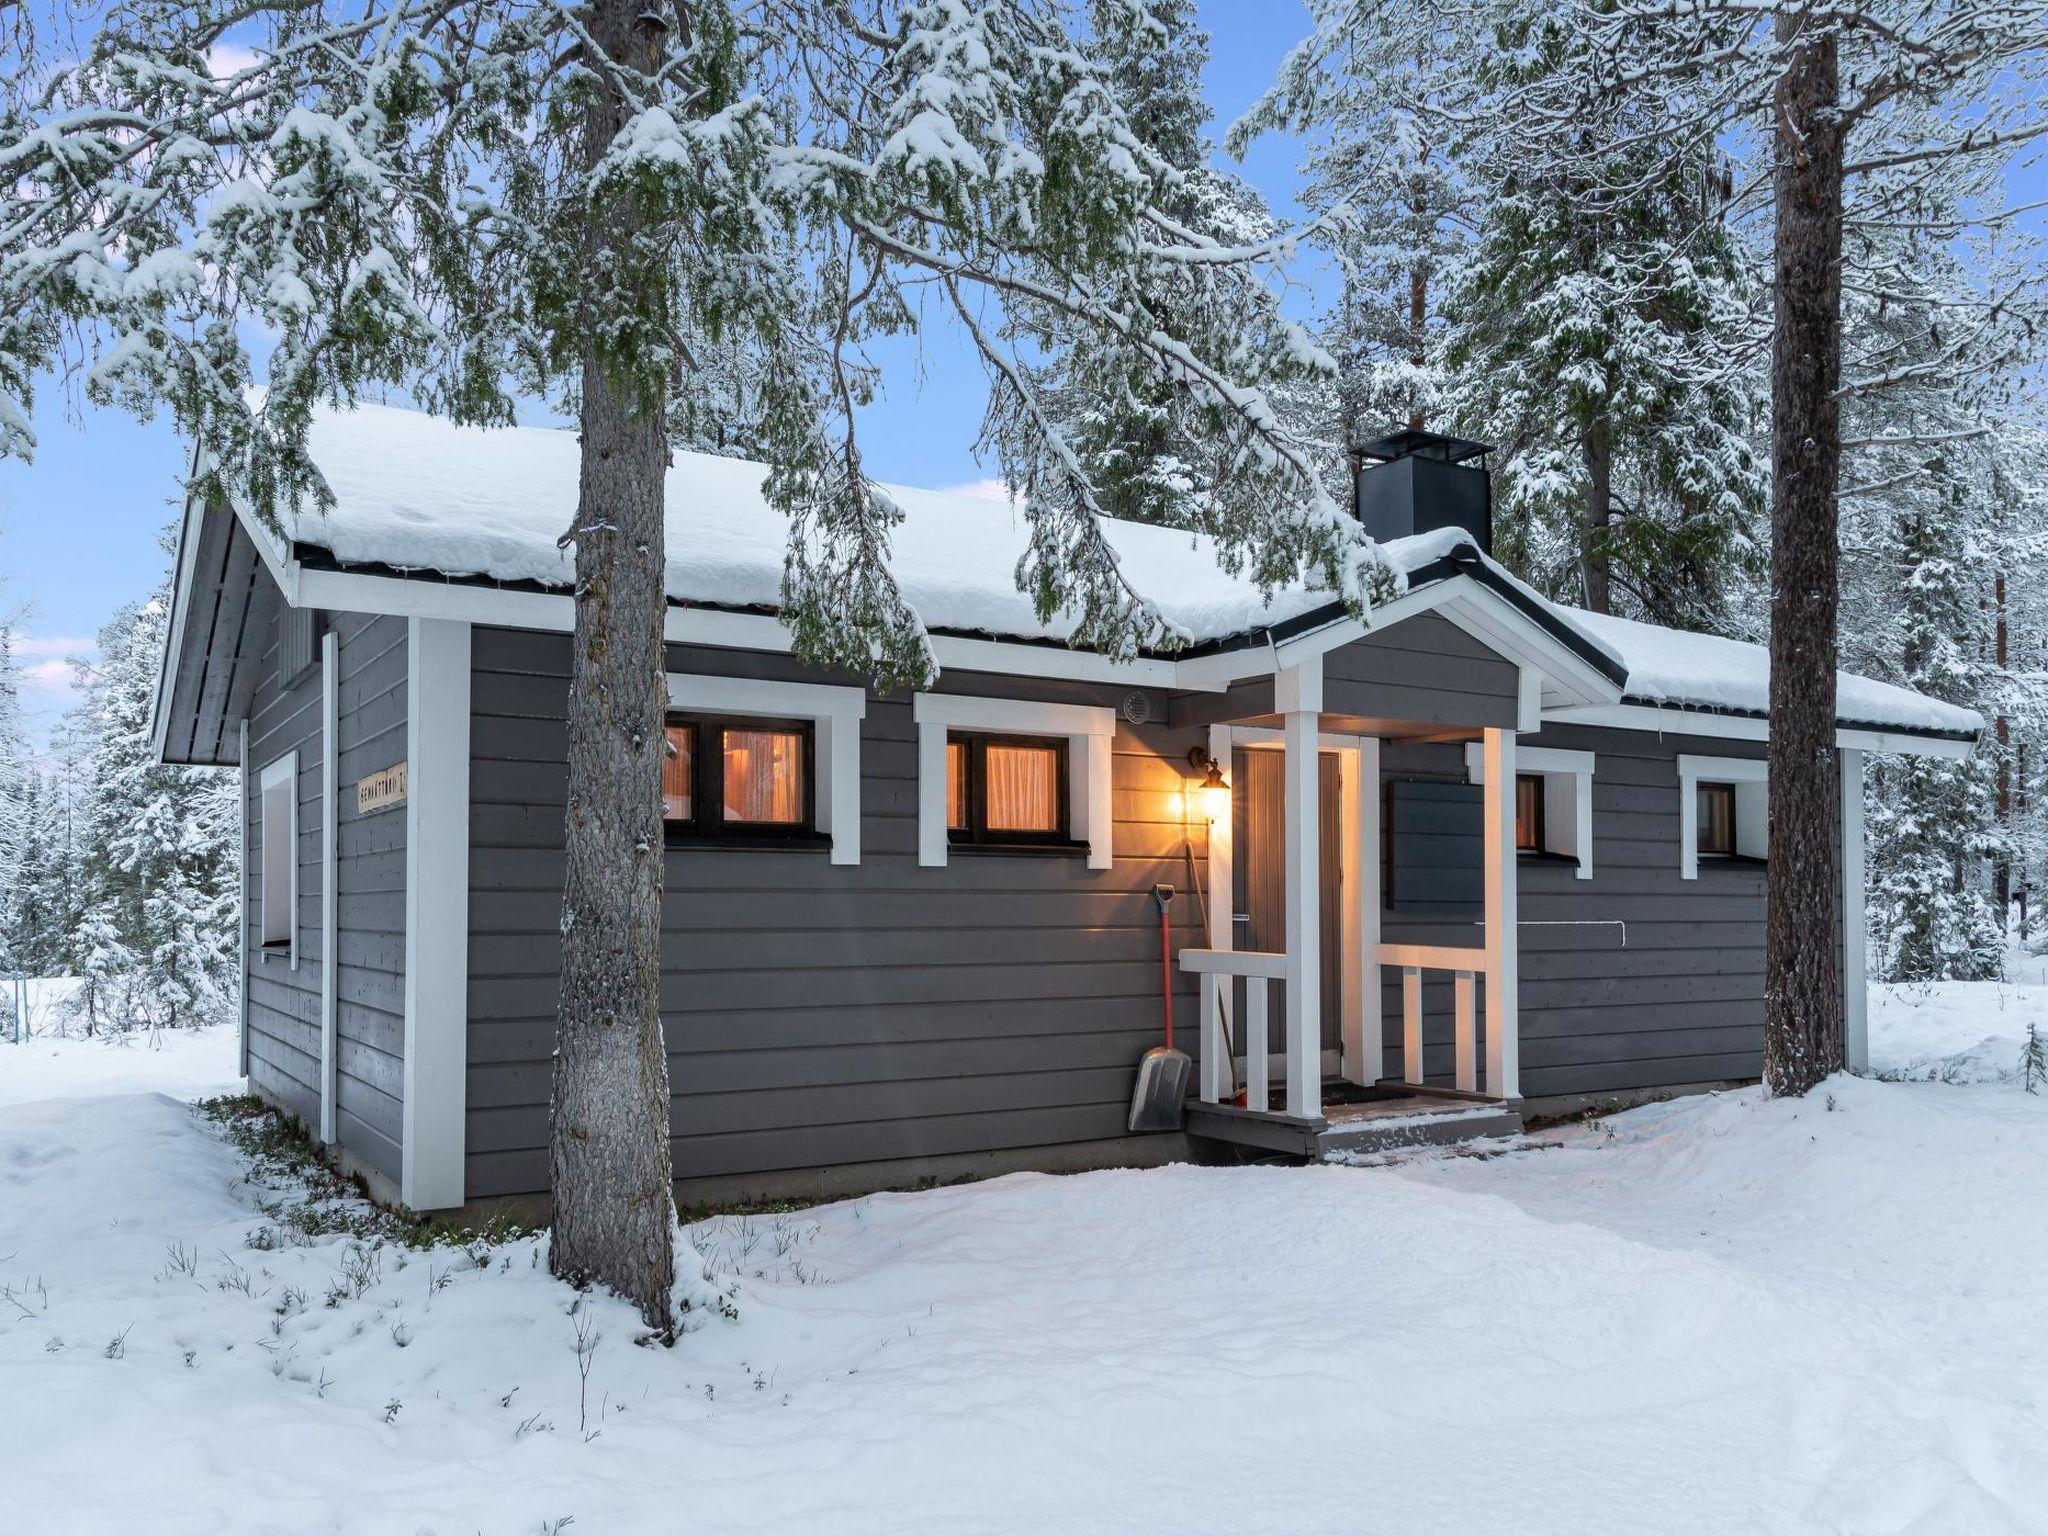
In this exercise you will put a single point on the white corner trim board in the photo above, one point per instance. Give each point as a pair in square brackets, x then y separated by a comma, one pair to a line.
[1567, 796]
[1090, 731]
[242, 907]
[1749, 775]
[835, 714]
[1855, 936]
[437, 655]
[277, 801]
[330, 862]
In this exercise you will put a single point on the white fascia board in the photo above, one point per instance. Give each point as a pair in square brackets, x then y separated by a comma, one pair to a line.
[1090, 730]
[362, 592]
[835, 713]
[1904, 744]
[181, 603]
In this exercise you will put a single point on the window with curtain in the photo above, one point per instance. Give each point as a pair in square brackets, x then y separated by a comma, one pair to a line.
[727, 778]
[1529, 813]
[1007, 790]
[1715, 828]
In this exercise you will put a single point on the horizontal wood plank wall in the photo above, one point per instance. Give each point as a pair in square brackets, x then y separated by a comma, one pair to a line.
[1680, 1002]
[284, 1003]
[1683, 1002]
[1424, 669]
[370, 1003]
[284, 1000]
[818, 1014]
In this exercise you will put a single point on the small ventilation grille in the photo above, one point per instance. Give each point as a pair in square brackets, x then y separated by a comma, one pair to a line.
[1137, 707]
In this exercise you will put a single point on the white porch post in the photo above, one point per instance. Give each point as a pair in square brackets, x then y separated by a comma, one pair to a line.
[1503, 969]
[1298, 694]
[1855, 940]
[330, 864]
[1361, 885]
[1218, 1076]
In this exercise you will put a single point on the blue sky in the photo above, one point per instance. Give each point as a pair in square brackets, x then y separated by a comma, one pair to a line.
[78, 527]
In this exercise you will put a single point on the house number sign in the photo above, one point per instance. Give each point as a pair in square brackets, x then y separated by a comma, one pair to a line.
[381, 790]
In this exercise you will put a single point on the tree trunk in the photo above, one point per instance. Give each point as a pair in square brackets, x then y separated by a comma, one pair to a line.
[608, 1152]
[1594, 558]
[1418, 331]
[1802, 976]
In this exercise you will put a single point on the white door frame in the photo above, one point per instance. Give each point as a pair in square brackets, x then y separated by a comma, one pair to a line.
[1358, 760]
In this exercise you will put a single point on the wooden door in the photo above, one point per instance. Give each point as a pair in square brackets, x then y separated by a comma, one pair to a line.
[1258, 879]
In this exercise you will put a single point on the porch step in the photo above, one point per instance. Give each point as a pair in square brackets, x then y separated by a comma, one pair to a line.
[1383, 1125]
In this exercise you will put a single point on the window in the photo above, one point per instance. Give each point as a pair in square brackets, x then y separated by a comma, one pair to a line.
[1006, 790]
[278, 864]
[1722, 811]
[1051, 788]
[1529, 813]
[738, 778]
[1553, 802]
[1716, 819]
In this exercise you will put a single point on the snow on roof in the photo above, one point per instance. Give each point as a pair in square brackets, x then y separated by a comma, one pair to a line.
[1673, 666]
[415, 492]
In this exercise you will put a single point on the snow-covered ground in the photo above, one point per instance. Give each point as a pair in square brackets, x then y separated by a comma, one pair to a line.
[1723, 1314]
[189, 1063]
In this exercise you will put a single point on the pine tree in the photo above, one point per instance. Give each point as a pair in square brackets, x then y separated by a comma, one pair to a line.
[1598, 330]
[2033, 1059]
[1384, 178]
[1131, 430]
[17, 808]
[154, 941]
[485, 202]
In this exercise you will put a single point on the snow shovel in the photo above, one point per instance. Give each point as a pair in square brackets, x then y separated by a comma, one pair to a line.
[1162, 1089]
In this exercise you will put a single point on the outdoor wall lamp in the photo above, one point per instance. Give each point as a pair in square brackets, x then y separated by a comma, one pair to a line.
[1215, 788]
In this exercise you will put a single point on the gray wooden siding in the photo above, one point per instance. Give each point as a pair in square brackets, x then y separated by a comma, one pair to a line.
[818, 1014]
[284, 1001]
[370, 911]
[1683, 1000]
[1424, 669]
[1680, 1002]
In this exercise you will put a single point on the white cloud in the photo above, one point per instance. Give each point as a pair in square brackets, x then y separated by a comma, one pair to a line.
[47, 678]
[227, 59]
[980, 490]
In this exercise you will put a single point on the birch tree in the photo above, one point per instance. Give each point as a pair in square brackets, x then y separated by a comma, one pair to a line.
[483, 203]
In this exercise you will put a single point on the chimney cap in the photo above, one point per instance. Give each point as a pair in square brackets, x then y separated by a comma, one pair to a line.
[1413, 442]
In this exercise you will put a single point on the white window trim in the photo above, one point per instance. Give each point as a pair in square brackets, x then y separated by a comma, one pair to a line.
[1090, 731]
[281, 770]
[1567, 796]
[1750, 777]
[835, 714]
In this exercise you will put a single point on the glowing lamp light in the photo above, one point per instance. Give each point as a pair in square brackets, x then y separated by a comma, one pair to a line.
[1215, 789]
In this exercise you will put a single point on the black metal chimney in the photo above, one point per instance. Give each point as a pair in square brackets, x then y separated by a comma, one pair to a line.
[1418, 481]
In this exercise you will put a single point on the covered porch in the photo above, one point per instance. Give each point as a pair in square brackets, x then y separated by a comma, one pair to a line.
[1295, 1052]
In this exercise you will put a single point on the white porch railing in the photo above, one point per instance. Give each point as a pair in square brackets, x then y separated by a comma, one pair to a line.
[1465, 966]
[1260, 969]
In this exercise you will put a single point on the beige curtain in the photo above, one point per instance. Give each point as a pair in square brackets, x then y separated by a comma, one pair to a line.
[675, 773]
[1023, 788]
[764, 776]
[956, 784]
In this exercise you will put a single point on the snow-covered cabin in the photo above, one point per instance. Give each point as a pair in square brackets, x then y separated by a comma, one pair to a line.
[1482, 855]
